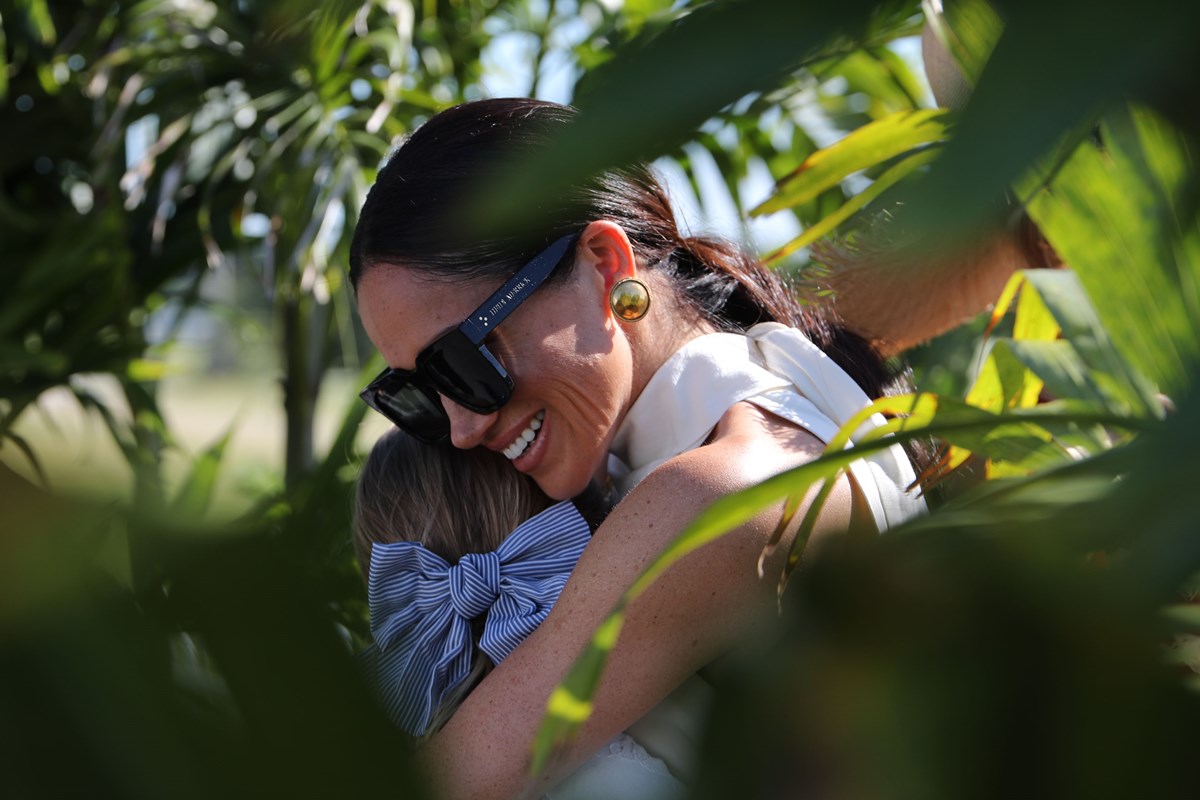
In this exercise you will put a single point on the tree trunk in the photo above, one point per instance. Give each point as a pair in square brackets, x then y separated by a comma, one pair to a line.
[300, 381]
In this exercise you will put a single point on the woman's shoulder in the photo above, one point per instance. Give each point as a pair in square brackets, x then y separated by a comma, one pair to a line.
[748, 445]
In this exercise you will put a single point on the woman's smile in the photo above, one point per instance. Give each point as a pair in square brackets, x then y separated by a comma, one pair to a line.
[566, 371]
[522, 441]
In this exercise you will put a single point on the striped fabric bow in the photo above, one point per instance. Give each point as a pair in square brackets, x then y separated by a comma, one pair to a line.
[422, 607]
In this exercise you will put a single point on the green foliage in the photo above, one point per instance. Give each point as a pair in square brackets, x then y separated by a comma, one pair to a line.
[1144, 273]
[1012, 639]
[621, 102]
[1056, 67]
[868, 146]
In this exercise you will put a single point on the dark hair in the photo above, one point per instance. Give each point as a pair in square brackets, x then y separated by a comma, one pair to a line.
[413, 216]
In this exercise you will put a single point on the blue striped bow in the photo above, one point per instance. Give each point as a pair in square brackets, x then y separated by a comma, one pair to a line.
[422, 607]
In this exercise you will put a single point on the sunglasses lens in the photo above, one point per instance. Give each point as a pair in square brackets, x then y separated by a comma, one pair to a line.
[467, 374]
[412, 407]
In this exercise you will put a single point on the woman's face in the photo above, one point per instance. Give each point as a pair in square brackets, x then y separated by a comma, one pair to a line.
[569, 362]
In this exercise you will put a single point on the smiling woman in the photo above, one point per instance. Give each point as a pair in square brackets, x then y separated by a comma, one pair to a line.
[554, 396]
[717, 380]
[458, 364]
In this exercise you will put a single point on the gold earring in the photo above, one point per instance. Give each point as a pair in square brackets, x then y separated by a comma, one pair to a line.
[629, 299]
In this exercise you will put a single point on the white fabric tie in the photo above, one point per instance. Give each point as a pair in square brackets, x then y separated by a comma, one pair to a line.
[778, 369]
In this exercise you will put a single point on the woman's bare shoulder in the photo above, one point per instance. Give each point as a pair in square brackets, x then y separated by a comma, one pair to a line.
[748, 446]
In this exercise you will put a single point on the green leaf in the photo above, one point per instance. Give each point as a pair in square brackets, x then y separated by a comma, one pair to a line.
[881, 76]
[570, 703]
[146, 370]
[1013, 436]
[3, 62]
[195, 494]
[855, 204]
[638, 105]
[1065, 373]
[1034, 320]
[1004, 382]
[869, 146]
[1057, 67]
[1064, 294]
[1120, 218]
[41, 21]
[1005, 301]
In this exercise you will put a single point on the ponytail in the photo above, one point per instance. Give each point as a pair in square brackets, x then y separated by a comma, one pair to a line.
[730, 288]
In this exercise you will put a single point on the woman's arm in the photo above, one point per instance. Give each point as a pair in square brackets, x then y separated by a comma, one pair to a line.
[898, 300]
[692, 614]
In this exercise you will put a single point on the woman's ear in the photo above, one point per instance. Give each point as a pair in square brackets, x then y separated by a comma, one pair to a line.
[604, 247]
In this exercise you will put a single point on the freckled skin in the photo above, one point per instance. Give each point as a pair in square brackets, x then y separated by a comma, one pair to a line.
[564, 358]
[563, 347]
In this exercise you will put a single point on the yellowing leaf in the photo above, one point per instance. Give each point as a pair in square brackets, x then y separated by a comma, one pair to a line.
[1006, 299]
[1033, 320]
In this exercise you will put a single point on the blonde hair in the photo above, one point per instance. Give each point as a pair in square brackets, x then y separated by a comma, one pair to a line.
[452, 502]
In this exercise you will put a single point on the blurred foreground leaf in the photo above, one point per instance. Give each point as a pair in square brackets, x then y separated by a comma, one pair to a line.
[1057, 67]
[640, 104]
[1143, 273]
[224, 677]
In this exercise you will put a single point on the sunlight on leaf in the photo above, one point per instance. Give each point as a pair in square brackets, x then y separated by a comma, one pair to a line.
[1142, 274]
[1004, 302]
[887, 180]
[869, 146]
[1016, 436]
[1065, 296]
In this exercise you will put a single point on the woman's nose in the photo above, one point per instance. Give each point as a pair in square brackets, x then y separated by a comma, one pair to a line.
[466, 427]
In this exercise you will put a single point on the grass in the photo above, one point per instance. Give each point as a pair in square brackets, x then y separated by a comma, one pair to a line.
[77, 454]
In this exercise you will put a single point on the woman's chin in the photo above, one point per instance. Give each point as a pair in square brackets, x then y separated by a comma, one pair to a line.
[557, 489]
[561, 476]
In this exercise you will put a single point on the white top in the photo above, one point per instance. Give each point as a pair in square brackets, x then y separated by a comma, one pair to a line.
[623, 769]
[777, 369]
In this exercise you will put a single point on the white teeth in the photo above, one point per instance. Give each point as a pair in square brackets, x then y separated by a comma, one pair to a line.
[523, 440]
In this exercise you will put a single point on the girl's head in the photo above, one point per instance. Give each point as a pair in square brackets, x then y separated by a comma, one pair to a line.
[575, 367]
[451, 501]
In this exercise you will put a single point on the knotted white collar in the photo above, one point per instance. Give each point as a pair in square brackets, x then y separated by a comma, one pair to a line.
[778, 369]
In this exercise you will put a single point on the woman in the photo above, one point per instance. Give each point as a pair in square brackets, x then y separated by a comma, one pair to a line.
[602, 331]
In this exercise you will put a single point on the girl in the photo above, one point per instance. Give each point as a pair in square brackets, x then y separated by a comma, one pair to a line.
[463, 557]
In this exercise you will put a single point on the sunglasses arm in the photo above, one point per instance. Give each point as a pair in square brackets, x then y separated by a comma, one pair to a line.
[496, 308]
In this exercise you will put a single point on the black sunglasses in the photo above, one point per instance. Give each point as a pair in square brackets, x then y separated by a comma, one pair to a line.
[457, 364]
